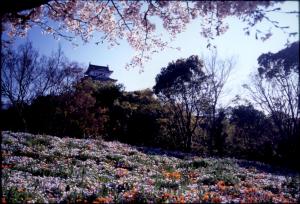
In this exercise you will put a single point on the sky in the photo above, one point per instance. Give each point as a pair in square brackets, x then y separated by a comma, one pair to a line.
[234, 43]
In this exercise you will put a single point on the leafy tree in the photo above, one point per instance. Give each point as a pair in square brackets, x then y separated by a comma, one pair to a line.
[134, 117]
[182, 87]
[108, 93]
[219, 135]
[107, 96]
[276, 88]
[46, 114]
[283, 63]
[249, 133]
[86, 118]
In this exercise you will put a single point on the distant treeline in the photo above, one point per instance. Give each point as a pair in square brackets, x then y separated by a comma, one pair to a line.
[180, 113]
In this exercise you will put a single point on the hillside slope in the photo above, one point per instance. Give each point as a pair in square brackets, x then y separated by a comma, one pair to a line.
[41, 168]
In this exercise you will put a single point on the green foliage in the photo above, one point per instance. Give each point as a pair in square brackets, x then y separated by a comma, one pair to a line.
[218, 175]
[114, 157]
[15, 195]
[169, 168]
[177, 73]
[286, 60]
[199, 163]
[104, 179]
[166, 184]
[224, 171]
[134, 118]
[251, 132]
[59, 172]
[37, 142]
[210, 180]
[195, 164]
[73, 197]
[228, 178]
[181, 87]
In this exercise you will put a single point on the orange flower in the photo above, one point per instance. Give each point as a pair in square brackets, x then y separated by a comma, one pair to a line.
[174, 175]
[206, 196]
[134, 190]
[3, 200]
[166, 174]
[221, 185]
[81, 201]
[130, 194]
[102, 200]
[180, 199]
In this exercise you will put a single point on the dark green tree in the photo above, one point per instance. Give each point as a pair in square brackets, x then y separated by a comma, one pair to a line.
[182, 88]
[281, 64]
[277, 88]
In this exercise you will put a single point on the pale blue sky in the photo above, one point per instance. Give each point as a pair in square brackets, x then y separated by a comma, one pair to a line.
[234, 43]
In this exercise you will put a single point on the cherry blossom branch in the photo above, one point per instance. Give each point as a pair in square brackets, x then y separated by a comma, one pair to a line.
[121, 16]
[47, 28]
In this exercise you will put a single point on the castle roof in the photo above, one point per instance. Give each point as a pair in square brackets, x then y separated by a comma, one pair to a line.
[97, 68]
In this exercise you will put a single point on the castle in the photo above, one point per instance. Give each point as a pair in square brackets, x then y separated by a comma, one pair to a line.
[99, 73]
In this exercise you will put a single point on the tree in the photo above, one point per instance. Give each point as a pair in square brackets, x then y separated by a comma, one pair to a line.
[276, 88]
[182, 89]
[26, 75]
[134, 21]
[250, 128]
[56, 74]
[134, 117]
[19, 71]
[284, 62]
[85, 117]
[217, 72]
[47, 115]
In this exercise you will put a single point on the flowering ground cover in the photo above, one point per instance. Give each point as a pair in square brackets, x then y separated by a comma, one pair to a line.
[48, 169]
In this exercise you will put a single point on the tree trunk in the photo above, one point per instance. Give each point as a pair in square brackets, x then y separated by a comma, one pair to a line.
[21, 110]
[189, 141]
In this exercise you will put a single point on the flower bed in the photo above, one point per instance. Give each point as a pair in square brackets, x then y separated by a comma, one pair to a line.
[48, 169]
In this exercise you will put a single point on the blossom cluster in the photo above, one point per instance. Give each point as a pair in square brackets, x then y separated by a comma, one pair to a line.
[133, 21]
